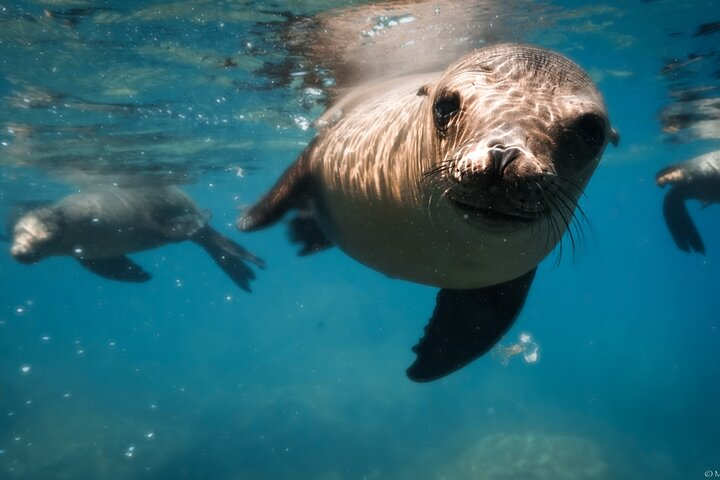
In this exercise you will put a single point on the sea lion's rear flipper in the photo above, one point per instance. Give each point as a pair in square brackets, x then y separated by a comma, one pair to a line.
[116, 268]
[291, 191]
[465, 325]
[305, 231]
[678, 220]
[230, 256]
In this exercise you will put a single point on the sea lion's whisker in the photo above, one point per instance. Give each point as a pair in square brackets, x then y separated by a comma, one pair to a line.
[536, 226]
[568, 182]
[574, 201]
[568, 215]
[557, 230]
[562, 193]
[557, 239]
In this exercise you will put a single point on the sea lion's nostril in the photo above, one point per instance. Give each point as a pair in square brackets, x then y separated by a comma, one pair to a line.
[502, 157]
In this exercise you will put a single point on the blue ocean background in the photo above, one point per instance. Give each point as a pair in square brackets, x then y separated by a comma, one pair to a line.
[187, 376]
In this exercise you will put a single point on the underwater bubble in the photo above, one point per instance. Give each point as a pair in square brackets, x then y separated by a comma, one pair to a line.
[150, 435]
[46, 339]
[302, 122]
[25, 369]
[130, 451]
[178, 282]
[67, 395]
[313, 92]
[78, 251]
[20, 311]
[112, 344]
[80, 352]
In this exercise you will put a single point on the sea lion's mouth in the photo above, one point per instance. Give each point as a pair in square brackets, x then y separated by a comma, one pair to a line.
[496, 215]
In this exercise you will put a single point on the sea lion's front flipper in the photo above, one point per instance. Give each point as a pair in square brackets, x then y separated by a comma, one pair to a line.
[116, 268]
[465, 325]
[678, 220]
[291, 191]
[229, 256]
[305, 231]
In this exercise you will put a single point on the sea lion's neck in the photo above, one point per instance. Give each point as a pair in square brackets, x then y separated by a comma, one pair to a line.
[377, 153]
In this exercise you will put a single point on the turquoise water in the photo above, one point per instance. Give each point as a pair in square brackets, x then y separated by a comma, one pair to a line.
[186, 376]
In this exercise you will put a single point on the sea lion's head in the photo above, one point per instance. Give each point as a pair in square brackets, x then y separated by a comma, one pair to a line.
[517, 131]
[34, 235]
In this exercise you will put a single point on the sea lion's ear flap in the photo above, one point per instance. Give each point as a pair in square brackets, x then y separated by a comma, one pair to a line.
[614, 137]
[423, 91]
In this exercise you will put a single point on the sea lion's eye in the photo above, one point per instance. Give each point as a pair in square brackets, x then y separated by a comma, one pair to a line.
[445, 108]
[591, 130]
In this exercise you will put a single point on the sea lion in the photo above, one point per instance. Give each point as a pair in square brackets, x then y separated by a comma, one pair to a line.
[697, 179]
[348, 46]
[465, 180]
[99, 227]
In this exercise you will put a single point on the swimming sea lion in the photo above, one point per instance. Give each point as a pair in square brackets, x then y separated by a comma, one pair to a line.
[465, 180]
[697, 179]
[99, 227]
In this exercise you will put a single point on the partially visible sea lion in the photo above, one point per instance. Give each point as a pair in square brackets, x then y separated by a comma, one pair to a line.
[351, 45]
[464, 179]
[696, 179]
[100, 226]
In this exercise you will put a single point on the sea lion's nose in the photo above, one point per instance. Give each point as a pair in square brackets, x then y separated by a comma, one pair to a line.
[502, 157]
